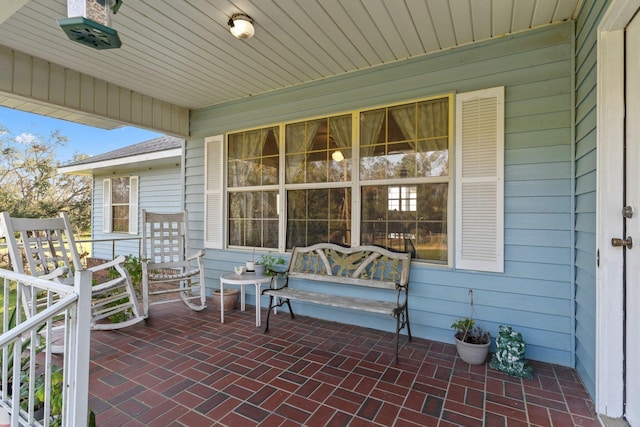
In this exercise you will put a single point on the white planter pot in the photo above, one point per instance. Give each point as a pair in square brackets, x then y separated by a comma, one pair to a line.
[473, 354]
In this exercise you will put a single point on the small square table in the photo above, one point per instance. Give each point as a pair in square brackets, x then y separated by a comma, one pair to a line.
[243, 280]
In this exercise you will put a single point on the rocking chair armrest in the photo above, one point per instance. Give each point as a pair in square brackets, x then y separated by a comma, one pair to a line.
[58, 272]
[119, 260]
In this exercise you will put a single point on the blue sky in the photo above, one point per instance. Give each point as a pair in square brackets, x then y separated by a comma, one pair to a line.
[81, 139]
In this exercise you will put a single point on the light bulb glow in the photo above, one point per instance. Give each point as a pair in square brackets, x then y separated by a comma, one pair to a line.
[337, 156]
[241, 26]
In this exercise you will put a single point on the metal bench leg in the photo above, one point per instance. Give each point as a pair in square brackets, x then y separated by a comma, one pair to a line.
[397, 336]
[266, 329]
[406, 313]
[280, 304]
[290, 309]
[402, 320]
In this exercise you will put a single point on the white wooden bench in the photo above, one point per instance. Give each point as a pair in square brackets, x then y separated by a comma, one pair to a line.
[365, 266]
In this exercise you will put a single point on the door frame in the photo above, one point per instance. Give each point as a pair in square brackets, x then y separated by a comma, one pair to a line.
[610, 143]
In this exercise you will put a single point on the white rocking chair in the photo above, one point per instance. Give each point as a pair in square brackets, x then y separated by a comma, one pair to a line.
[166, 265]
[45, 247]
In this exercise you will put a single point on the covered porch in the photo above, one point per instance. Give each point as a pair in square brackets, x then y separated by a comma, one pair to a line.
[185, 368]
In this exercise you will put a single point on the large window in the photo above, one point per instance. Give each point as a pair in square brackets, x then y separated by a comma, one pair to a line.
[318, 181]
[389, 186]
[253, 171]
[404, 176]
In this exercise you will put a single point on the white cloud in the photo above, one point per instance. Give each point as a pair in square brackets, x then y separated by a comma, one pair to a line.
[26, 138]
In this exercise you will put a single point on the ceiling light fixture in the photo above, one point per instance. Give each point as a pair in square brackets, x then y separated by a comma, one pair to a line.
[337, 156]
[241, 26]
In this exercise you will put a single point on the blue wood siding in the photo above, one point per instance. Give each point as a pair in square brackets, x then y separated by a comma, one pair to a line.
[585, 171]
[158, 190]
[535, 294]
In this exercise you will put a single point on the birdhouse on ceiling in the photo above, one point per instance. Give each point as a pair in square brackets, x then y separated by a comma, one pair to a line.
[89, 21]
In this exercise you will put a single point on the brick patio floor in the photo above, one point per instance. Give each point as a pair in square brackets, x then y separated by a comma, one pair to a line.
[185, 368]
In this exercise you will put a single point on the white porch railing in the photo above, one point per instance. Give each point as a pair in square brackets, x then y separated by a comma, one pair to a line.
[26, 343]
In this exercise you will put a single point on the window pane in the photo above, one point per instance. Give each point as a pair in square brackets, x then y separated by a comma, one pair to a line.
[253, 219]
[407, 217]
[253, 158]
[120, 190]
[120, 216]
[410, 140]
[315, 216]
[318, 150]
[433, 157]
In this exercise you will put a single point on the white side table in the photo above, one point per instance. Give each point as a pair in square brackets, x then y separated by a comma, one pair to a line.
[243, 280]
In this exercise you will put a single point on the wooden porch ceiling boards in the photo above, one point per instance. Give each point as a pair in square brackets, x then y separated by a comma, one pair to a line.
[181, 52]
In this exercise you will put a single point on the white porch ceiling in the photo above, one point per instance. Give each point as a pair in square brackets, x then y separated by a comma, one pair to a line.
[181, 52]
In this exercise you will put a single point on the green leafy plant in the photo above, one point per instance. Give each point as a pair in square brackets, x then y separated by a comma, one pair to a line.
[466, 329]
[271, 263]
[55, 394]
[133, 265]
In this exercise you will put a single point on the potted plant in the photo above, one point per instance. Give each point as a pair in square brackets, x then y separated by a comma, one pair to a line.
[271, 264]
[472, 341]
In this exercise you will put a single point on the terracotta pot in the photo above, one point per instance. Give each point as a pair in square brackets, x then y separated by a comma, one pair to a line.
[473, 354]
[230, 298]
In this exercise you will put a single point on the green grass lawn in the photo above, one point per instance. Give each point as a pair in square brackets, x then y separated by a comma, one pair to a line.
[12, 302]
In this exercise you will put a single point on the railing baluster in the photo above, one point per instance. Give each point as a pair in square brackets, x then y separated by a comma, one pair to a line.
[22, 340]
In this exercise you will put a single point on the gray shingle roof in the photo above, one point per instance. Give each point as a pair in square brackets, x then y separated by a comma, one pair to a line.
[163, 143]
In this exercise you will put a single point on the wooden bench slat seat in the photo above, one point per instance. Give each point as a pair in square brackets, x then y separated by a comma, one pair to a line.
[365, 266]
[382, 307]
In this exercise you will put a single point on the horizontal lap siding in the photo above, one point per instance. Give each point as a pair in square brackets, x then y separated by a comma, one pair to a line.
[159, 190]
[585, 251]
[535, 292]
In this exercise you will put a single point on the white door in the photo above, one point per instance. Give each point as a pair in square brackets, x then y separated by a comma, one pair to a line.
[631, 218]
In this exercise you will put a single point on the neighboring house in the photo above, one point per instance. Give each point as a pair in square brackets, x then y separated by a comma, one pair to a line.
[141, 176]
[500, 161]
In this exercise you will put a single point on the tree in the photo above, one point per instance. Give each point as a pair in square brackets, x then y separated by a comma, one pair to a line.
[31, 187]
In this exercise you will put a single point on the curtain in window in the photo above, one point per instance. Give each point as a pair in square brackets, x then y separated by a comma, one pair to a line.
[370, 131]
[299, 140]
[245, 146]
[340, 128]
[435, 117]
[405, 117]
[432, 121]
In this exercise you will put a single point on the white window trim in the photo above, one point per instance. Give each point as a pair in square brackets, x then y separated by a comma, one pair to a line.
[106, 206]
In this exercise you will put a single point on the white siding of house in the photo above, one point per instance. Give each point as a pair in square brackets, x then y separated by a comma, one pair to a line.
[158, 190]
[534, 294]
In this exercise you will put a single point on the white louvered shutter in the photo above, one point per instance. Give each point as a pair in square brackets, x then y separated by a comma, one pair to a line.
[106, 205]
[133, 204]
[479, 154]
[214, 214]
